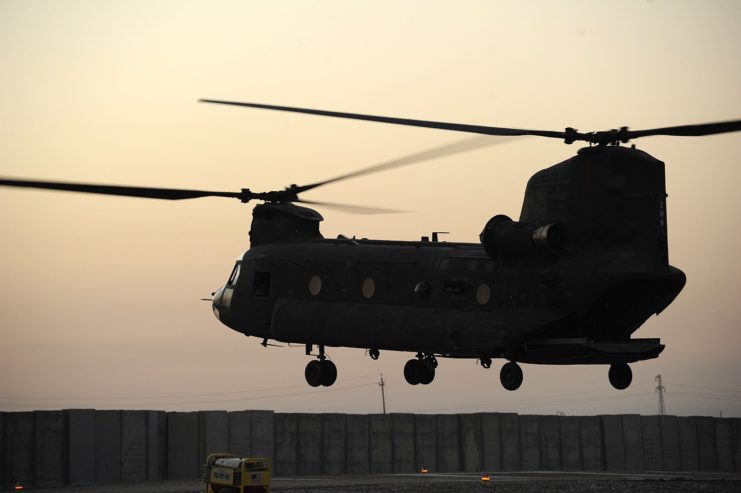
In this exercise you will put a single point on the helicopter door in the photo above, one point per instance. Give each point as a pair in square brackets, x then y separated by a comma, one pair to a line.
[261, 285]
[261, 279]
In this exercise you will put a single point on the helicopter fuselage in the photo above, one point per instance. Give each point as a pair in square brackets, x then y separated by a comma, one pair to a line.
[575, 304]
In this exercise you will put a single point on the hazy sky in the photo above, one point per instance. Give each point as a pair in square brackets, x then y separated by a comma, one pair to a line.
[99, 296]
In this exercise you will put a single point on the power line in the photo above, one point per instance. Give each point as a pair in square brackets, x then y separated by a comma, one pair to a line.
[707, 396]
[172, 396]
[728, 391]
[538, 402]
[272, 396]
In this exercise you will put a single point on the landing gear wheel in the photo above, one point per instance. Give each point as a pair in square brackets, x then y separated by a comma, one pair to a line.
[620, 375]
[420, 370]
[412, 372]
[313, 373]
[328, 373]
[427, 373]
[511, 376]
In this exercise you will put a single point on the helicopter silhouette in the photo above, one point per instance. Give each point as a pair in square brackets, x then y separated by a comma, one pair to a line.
[569, 282]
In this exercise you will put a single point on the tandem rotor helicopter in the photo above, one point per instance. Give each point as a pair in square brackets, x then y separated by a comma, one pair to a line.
[569, 282]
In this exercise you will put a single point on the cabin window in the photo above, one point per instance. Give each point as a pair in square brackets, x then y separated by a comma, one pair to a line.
[262, 284]
[483, 294]
[234, 276]
[422, 290]
[315, 285]
[454, 287]
[368, 288]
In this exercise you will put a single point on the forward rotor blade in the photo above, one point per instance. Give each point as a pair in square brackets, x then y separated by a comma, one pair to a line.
[457, 147]
[351, 209]
[696, 130]
[145, 192]
[460, 127]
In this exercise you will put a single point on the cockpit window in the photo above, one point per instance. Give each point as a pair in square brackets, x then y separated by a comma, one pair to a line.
[235, 274]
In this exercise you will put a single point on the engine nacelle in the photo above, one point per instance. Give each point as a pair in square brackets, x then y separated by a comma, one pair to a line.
[503, 236]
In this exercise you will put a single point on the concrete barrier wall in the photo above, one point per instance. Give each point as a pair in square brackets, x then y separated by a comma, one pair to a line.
[380, 444]
[550, 443]
[50, 448]
[491, 442]
[689, 454]
[529, 443]
[262, 441]
[334, 442]
[510, 433]
[309, 444]
[285, 432]
[570, 435]
[471, 436]
[402, 433]
[3, 481]
[84, 446]
[156, 445]
[182, 445]
[18, 448]
[670, 449]
[590, 433]
[448, 443]
[81, 446]
[358, 453]
[736, 439]
[107, 447]
[133, 446]
[660, 443]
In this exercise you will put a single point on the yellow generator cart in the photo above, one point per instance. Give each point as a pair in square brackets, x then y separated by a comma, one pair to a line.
[227, 473]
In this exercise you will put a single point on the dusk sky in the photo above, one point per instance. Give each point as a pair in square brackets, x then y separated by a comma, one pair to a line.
[100, 296]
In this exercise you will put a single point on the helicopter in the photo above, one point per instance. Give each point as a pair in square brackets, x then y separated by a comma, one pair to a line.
[567, 283]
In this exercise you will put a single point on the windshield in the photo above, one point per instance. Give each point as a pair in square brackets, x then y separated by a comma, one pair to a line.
[235, 274]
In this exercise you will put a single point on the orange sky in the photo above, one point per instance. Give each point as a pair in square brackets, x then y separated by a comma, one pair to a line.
[99, 296]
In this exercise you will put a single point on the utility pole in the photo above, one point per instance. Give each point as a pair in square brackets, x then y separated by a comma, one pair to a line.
[660, 389]
[383, 394]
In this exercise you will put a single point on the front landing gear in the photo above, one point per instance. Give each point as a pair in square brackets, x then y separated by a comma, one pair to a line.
[620, 375]
[420, 370]
[511, 376]
[321, 371]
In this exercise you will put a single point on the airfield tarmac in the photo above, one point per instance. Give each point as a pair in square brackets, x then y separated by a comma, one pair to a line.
[512, 482]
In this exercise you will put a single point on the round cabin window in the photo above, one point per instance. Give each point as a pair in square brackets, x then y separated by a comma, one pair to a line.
[483, 294]
[422, 290]
[369, 288]
[315, 285]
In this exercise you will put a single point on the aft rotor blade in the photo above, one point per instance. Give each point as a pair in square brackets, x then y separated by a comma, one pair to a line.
[457, 147]
[459, 127]
[696, 130]
[352, 209]
[145, 192]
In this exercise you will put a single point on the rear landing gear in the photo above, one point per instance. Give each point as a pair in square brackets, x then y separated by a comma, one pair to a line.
[620, 375]
[420, 370]
[511, 376]
[320, 371]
